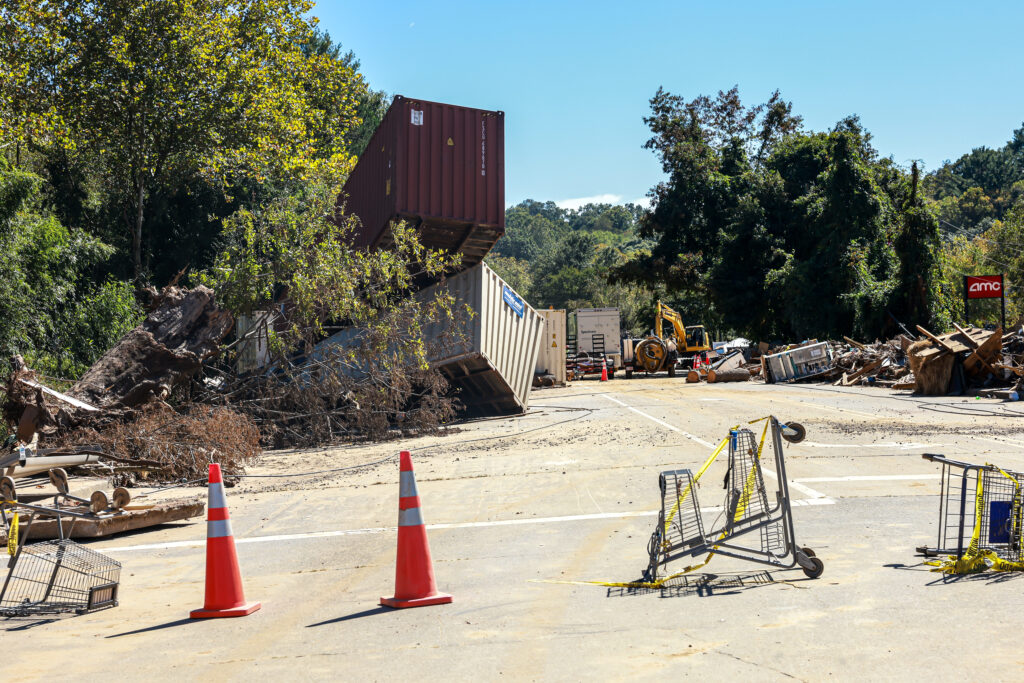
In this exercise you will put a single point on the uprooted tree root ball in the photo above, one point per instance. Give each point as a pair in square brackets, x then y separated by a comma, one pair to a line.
[158, 444]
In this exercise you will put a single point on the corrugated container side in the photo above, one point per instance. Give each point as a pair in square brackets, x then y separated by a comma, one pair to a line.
[551, 358]
[439, 166]
[495, 367]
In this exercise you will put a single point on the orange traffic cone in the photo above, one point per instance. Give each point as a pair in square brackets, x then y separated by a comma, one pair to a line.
[414, 571]
[224, 597]
[604, 369]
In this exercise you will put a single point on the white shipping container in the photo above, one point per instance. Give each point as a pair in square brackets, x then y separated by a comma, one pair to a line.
[254, 349]
[494, 367]
[599, 321]
[551, 358]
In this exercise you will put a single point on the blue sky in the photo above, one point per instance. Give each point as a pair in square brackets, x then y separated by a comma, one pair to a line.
[929, 80]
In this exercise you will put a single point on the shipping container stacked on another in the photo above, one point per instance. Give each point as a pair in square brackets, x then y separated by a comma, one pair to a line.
[441, 168]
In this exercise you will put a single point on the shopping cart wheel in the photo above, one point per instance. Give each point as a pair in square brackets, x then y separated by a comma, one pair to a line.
[793, 432]
[121, 497]
[59, 479]
[7, 490]
[98, 502]
[808, 552]
[817, 567]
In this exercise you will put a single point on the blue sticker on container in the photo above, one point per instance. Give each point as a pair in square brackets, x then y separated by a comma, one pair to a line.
[513, 300]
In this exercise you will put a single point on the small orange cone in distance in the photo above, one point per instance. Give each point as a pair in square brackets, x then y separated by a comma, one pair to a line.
[414, 570]
[224, 597]
[604, 370]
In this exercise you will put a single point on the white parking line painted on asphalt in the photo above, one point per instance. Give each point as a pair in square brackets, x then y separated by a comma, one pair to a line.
[890, 446]
[806, 490]
[1003, 441]
[666, 425]
[455, 525]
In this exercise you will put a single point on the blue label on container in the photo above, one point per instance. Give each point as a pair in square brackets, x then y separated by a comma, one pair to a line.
[513, 300]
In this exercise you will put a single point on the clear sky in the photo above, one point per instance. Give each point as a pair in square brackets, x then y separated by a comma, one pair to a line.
[929, 80]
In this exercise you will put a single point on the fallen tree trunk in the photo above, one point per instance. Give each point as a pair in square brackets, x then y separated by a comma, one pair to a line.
[183, 329]
[734, 375]
[169, 347]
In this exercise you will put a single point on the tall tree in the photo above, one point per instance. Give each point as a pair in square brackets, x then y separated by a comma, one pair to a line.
[149, 93]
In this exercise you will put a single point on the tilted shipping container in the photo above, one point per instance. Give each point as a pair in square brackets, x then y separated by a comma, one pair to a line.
[494, 365]
[437, 166]
[493, 362]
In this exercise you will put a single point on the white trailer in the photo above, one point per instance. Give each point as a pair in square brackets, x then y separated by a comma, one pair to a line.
[597, 327]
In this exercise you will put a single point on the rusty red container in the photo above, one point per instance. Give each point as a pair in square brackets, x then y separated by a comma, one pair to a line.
[439, 167]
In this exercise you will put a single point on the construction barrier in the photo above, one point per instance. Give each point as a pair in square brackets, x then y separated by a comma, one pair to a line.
[224, 594]
[414, 570]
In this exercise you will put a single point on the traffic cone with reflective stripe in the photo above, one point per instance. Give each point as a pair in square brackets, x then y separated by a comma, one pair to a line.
[224, 597]
[414, 571]
[604, 370]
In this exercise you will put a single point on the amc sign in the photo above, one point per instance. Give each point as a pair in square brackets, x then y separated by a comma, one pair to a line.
[984, 286]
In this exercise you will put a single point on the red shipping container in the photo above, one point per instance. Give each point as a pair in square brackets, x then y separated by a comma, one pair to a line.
[439, 167]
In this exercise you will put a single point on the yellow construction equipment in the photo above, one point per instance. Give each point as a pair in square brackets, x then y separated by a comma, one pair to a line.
[663, 352]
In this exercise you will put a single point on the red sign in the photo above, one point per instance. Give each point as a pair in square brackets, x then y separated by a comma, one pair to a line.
[984, 286]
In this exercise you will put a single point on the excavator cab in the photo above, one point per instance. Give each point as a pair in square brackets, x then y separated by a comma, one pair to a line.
[697, 339]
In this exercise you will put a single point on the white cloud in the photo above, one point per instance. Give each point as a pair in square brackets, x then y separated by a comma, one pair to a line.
[596, 199]
[645, 202]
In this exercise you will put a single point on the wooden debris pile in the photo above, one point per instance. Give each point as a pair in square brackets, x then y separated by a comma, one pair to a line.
[967, 357]
[882, 364]
[121, 401]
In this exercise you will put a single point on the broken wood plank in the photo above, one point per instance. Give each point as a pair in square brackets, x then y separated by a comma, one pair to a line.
[870, 367]
[936, 340]
[984, 353]
[857, 344]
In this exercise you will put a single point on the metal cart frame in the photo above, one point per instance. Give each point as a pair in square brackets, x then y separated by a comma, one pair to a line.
[748, 511]
[997, 514]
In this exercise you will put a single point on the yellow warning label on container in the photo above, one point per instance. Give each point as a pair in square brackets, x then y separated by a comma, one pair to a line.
[554, 345]
[451, 143]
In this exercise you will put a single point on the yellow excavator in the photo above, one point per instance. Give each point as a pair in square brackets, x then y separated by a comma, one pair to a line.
[661, 352]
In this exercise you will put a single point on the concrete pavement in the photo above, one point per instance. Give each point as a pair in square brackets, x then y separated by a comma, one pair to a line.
[568, 493]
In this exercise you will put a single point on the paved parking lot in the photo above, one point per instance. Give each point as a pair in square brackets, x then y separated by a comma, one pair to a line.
[522, 511]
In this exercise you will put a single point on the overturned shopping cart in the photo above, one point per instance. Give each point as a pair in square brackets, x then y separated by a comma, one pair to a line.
[52, 577]
[756, 526]
[981, 518]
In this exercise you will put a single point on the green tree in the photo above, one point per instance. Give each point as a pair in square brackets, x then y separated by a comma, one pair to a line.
[50, 311]
[150, 93]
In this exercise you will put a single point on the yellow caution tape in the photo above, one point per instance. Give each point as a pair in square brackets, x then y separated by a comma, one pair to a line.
[686, 493]
[12, 536]
[977, 560]
[737, 516]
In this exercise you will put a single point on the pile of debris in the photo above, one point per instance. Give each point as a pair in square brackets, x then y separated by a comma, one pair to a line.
[881, 364]
[951, 363]
[120, 403]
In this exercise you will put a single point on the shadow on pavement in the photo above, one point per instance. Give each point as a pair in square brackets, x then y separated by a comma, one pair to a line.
[702, 585]
[941, 579]
[169, 624]
[357, 615]
[27, 622]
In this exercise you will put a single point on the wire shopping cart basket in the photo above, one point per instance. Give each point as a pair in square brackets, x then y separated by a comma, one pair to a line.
[756, 527]
[981, 516]
[56, 576]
